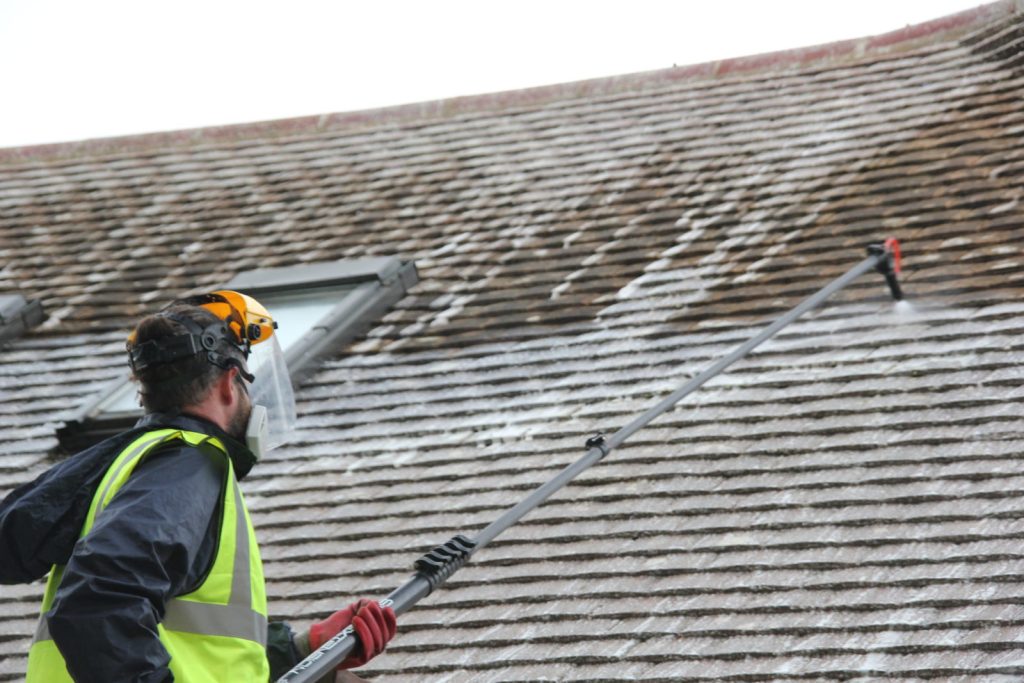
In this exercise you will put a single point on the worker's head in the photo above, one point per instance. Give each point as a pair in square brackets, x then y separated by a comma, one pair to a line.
[206, 355]
[170, 381]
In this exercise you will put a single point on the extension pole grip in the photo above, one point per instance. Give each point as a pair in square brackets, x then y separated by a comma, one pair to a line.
[436, 567]
[332, 653]
[433, 569]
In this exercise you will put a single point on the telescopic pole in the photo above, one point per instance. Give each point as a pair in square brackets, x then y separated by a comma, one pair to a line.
[434, 568]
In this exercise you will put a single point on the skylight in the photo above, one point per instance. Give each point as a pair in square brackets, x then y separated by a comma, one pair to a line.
[319, 308]
[298, 312]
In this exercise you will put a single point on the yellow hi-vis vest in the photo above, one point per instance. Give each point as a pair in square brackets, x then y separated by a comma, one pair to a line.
[216, 633]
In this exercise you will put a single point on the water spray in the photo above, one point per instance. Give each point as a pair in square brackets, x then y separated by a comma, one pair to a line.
[437, 566]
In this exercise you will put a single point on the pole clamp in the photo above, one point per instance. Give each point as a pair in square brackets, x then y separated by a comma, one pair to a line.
[444, 560]
[597, 441]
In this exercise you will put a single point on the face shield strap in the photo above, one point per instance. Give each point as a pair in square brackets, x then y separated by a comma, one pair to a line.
[211, 342]
[234, 324]
[162, 351]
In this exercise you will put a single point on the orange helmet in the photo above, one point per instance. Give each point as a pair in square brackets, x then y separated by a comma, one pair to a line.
[243, 323]
[245, 317]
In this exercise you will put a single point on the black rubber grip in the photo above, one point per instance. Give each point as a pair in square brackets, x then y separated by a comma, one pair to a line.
[444, 560]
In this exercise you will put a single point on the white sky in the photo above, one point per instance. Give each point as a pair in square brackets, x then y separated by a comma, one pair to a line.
[77, 69]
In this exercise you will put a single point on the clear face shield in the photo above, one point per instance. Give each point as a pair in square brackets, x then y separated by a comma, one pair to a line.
[272, 418]
[273, 402]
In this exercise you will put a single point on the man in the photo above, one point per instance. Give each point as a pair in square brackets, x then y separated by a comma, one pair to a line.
[155, 574]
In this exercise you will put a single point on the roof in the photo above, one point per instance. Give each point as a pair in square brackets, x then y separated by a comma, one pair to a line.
[846, 502]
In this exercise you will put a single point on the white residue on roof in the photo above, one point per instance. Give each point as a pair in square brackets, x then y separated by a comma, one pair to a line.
[102, 275]
[450, 245]
[560, 289]
[190, 249]
[567, 242]
[412, 330]
[684, 241]
[958, 241]
[405, 457]
[660, 264]
[442, 301]
[454, 308]
[753, 272]
[688, 285]
[1008, 206]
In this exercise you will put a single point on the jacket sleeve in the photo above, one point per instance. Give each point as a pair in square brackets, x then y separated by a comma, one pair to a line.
[144, 548]
[281, 652]
[40, 520]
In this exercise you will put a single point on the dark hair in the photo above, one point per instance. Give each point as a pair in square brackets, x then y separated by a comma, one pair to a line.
[171, 387]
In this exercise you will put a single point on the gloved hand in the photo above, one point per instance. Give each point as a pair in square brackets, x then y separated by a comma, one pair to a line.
[375, 626]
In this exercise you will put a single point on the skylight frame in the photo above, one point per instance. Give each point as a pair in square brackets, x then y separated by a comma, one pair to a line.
[378, 283]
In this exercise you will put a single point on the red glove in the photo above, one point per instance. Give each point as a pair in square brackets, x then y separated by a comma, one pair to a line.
[375, 626]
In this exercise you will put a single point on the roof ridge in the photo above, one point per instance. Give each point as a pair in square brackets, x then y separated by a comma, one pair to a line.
[903, 39]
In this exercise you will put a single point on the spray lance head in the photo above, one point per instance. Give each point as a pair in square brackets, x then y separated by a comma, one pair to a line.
[889, 264]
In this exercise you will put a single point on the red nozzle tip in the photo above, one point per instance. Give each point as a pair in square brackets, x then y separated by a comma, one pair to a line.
[892, 246]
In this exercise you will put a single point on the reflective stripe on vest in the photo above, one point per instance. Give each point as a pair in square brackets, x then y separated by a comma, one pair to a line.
[219, 628]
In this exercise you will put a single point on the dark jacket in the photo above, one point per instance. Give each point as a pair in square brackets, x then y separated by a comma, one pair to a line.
[155, 540]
